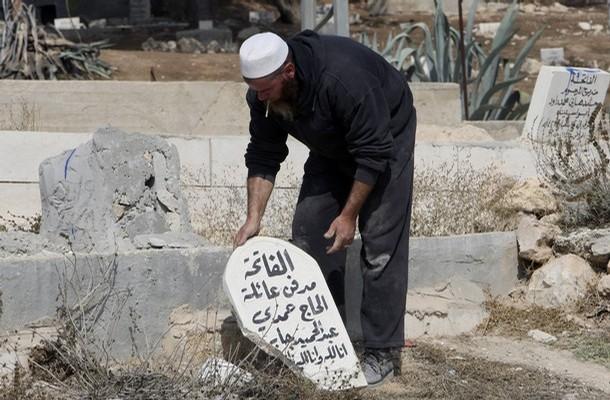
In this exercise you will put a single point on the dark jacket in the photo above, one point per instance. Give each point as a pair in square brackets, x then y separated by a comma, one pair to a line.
[353, 109]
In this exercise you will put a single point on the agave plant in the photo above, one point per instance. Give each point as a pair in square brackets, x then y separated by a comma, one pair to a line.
[437, 59]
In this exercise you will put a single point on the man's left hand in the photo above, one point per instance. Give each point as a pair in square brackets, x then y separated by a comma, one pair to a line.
[343, 228]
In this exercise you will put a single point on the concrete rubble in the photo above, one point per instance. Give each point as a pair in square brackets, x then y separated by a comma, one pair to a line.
[103, 194]
[535, 239]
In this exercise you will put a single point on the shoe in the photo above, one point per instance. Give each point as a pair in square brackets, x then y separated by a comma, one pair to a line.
[377, 366]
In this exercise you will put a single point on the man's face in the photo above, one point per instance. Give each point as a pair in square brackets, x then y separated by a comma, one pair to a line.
[272, 89]
[268, 89]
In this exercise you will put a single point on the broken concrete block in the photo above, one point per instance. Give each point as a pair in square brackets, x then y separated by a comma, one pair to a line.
[283, 304]
[560, 282]
[451, 309]
[111, 189]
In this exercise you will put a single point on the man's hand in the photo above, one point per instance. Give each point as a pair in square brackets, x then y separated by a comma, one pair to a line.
[343, 228]
[248, 230]
[259, 190]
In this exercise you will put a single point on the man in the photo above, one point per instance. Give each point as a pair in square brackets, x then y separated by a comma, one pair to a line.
[355, 113]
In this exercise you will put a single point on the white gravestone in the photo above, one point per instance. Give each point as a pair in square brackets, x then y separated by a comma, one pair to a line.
[563, 101]
[283, 305]
[552, 56]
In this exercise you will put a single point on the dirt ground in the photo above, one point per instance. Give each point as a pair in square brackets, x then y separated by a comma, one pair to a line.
[500, 362]
[581, 48]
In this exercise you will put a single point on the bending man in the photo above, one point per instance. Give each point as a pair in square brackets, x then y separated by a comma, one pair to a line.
[355, 113]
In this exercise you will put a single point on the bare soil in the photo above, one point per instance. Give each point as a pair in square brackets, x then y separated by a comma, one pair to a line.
[581, 48]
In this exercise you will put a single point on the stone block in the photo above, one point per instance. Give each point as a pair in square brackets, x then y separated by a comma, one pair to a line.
[450, 309]
[159, 281]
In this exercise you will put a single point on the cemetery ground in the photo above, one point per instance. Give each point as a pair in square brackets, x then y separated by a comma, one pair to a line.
[496, 361]
[582, 48]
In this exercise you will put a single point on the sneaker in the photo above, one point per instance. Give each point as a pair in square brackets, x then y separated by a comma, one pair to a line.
[377, 366]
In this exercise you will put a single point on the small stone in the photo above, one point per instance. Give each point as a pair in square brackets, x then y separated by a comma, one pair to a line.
[156, 243]
[213, 47]
[541, 336]
[528, 8]
[218, 372]
[172, 45]
[585, 26]
[531, 66]
[597, 28]
[603, 286]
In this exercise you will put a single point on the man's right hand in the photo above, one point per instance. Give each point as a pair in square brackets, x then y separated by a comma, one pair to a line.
[248, 230]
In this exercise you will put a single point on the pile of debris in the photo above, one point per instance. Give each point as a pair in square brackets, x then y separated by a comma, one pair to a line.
[188, 45]
[564, 265]
[28, 51]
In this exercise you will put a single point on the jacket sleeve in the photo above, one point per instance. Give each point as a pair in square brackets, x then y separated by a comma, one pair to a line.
[366, 119]
[267, 148]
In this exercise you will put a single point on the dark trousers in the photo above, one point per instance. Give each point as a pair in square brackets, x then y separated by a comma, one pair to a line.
[384, 227]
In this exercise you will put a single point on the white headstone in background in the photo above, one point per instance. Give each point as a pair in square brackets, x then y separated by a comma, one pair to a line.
[563, 101]
[552, 56]
[283, 305]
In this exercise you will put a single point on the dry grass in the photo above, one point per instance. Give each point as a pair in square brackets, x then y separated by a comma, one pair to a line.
[432, 372]
[455, 198]
[508, 320]
[21, 116]
[588, 344]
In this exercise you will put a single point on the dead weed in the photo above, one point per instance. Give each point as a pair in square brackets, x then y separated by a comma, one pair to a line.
[431, 372]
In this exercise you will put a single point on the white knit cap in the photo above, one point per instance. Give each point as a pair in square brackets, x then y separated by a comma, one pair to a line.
[262, 54]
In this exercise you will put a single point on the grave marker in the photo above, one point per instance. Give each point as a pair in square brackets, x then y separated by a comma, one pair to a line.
[284, 305]
[552, 56]
[563, 101]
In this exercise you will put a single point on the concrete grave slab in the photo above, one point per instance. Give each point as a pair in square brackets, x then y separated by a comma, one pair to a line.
[283, 304]
[158, 281]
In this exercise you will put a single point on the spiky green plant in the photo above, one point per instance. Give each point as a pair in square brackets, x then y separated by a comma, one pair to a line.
[437, 59]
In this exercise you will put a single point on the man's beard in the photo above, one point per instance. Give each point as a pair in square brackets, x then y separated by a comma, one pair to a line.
[286, 106]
